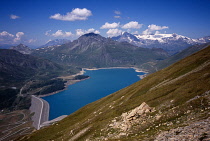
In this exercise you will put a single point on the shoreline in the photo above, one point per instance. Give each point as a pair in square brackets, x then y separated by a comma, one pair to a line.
[70, 80]
[135, 68]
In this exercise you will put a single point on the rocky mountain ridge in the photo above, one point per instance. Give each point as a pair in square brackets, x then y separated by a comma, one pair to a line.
[22, 49]
[93, 50]
[170, 42]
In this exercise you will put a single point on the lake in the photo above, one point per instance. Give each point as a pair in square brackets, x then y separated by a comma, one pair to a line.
[101, 83]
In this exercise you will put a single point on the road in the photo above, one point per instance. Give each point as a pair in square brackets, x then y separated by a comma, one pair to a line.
[41, 109]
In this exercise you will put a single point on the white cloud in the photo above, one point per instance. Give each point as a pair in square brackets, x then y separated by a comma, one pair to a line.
[75, 14]
[135, 32]
[68, 34]
[113, 32]
[31, 40]
[60, 33]
[117, 12]
[117, 17]
[152, 28]
[14, 17]
[48, 32]
[110, 25]
[6, 34]
[132, 24]
[155, 27]
[18, 36]
[80, 32]
[147, 32]
[8, 38]
[92, 30]
[157, 32]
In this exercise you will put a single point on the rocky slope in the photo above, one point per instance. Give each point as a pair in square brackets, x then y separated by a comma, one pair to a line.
[22, 49]
[172, 43]
[172, 103]
[93, 50]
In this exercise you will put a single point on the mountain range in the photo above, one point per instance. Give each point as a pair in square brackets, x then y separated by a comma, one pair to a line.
[22, 49]
[93, 50]
[172, 43]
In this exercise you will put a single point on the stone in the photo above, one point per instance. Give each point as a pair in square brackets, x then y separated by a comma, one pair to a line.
[158, 117]
[131, 117]
[138, 111]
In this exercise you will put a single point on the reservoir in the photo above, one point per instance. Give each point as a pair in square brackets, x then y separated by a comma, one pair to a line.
[101, 83]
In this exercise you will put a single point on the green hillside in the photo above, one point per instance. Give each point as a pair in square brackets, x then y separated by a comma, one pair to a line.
[22, 75]
[177, 96]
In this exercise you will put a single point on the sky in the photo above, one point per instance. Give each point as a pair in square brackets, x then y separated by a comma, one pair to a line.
[35, 22]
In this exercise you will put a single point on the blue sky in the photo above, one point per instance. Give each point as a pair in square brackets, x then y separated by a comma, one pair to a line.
[34, 22]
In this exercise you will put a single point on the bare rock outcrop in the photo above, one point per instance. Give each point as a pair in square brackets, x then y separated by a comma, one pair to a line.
[199, 131]
[131, 117]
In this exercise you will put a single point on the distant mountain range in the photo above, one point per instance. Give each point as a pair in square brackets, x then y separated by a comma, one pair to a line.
[55, 42]
[22, 49]
[172, 43]
[93, 50]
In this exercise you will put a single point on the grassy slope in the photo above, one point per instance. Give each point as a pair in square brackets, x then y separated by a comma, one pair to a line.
[187, 52]
[167, 90]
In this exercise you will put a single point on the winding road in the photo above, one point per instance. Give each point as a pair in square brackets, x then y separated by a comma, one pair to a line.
[40, 108]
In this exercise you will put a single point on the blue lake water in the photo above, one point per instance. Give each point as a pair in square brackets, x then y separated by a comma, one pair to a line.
[102, 82]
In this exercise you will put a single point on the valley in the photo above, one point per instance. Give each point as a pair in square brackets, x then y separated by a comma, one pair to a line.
[104, 70]
[49, 70]
[174, 97]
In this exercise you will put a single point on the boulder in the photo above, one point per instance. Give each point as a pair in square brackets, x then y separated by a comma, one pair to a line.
[137, 112]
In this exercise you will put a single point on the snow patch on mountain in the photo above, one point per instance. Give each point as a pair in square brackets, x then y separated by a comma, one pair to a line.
[170, 42]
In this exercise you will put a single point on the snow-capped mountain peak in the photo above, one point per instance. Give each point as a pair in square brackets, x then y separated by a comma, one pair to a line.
[170, 42]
